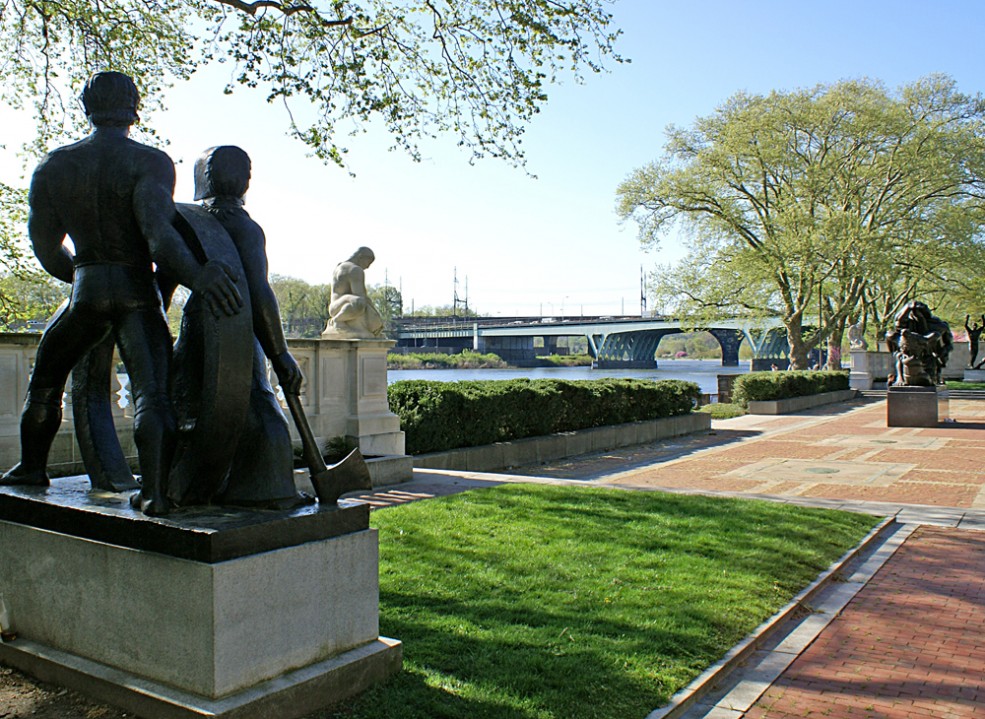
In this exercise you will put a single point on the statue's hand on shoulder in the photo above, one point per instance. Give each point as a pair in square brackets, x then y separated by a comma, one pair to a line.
[288, 372]
[217, 283]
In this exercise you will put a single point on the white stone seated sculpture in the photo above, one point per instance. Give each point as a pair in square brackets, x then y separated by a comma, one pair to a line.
[856, 337]
[351, 313]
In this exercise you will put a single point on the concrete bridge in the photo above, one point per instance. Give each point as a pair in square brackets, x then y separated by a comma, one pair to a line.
[613, 342]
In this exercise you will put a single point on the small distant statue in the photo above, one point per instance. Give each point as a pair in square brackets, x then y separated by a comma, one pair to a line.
[921, 344]
[856, 337]
[351, 314]
[974, 332]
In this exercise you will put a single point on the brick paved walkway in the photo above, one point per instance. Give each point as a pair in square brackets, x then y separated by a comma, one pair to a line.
[909, 645]
[846, 455]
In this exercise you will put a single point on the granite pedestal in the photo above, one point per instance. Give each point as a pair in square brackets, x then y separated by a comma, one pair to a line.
[916, 406]
[207, 612]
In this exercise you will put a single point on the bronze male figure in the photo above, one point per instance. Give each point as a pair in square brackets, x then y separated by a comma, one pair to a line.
[114, 198]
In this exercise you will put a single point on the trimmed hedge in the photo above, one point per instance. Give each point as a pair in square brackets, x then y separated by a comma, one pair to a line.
[438, 416]
[765, 386]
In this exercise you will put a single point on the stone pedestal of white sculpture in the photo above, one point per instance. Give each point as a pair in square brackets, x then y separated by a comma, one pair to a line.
[869, 367]
[352, 397]
[344, 396]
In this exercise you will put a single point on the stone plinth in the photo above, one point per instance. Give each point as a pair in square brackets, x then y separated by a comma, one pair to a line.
[222, 613]
[345, 393]
[867, 368]
[916, 406]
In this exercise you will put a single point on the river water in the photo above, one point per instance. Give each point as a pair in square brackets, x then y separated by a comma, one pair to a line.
[704, 373]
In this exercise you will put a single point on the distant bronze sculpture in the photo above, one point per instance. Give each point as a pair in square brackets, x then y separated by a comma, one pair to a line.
[974, 333]
[921, 344]
[113, 197]
[351, 313]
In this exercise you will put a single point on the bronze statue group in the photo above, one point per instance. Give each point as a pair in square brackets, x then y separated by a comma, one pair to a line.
[207, 425]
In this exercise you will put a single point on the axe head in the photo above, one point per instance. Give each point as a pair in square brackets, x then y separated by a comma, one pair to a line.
[349, 475]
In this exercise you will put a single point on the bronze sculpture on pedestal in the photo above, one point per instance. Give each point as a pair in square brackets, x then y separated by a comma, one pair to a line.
[921, 344]
[228, 442]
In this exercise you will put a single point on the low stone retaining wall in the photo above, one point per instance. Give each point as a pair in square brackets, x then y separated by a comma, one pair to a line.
[533, 450]
[797, 404]
[344, 394]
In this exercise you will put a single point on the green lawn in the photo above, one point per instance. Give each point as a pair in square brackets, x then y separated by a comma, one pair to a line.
[723, 410]
[957, 384]
[528, 601]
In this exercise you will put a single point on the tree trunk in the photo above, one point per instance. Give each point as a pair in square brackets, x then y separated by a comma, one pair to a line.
[798, 348]
[834, 348]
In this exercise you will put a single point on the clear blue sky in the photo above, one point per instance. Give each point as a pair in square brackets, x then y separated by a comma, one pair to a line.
[555, 243]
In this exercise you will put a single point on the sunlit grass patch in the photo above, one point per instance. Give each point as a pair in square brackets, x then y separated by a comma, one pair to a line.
[723, 410]
[548, 602]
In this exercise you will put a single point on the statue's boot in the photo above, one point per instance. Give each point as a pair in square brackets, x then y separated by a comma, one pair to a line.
[18, 476]
[40, 421]
[153, 504]
[153, 430]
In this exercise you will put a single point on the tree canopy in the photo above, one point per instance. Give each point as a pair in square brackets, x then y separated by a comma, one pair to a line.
[475, 69]
[820, 206]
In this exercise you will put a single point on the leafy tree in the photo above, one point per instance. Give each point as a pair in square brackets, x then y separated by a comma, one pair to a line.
[13, 230]
[815, 205]
[303, 307]
[389, 302]
[476, 69]
[29, 296]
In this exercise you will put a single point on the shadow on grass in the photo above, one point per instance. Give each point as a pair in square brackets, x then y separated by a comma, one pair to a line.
[488, 662]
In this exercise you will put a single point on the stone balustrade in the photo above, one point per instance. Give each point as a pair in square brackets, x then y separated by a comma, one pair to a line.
[344, 395]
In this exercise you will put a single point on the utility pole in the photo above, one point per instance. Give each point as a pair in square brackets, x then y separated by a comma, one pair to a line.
[642, 293]
[455, 299]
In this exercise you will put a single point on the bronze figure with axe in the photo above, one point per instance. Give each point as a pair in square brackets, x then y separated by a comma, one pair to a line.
[330, 483]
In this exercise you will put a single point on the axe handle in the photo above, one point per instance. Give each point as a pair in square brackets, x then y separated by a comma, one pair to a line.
[312, 456]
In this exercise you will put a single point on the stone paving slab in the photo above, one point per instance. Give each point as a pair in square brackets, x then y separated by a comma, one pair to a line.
[824, 456]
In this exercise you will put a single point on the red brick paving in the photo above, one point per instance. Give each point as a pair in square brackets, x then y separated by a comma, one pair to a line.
[932, 475]
[948, 473]
[789, 449]
[910, 644]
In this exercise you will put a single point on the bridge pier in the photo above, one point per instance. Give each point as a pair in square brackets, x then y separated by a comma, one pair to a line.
[729, 340]
[629, 350]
